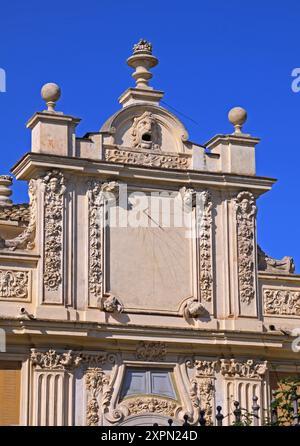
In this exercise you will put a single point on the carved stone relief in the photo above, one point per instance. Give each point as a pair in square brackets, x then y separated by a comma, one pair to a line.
[98, 194]
[14, 284]
[282, 302]
[245, 216]
[248, 369]
[204, 227]
[145, 132]
[51, 360]
[151, 351]
[265, 263]
[144, 158]
[98, 386]
[202, 387]
[193, 309]
[139, 406]
[53, 220]
[25, 240]
[111, 304]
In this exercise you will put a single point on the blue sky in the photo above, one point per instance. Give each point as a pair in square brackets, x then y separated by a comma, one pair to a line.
[214, 55]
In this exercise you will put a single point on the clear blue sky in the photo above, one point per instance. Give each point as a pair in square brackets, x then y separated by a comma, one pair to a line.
[214, 55]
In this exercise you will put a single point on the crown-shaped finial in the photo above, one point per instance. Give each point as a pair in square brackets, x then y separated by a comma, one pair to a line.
[142, 47]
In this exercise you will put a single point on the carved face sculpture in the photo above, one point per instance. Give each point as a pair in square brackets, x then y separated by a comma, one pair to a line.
[144, 131]
[246, 206]
[53, 184]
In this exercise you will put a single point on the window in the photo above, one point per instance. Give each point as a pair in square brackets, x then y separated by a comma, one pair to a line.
[149, 382]
[9, 393]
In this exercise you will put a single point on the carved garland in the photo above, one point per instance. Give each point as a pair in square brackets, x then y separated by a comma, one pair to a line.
[151, 351]
[151, 405]
[202, 387]
[25, 240]
[14, 284]
[147, 159]
[54, 207]
[51, 360]
[98, 193]
[204, 222]
[230, 368]
[97, 384]
[245, 216]
[282, 302]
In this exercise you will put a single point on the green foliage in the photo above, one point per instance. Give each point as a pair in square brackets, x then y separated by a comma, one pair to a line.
[283, 400]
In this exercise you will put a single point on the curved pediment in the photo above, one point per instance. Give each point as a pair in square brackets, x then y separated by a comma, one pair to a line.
[146, 127]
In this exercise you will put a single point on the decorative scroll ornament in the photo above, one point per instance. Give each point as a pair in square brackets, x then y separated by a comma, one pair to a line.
[231, 368]
[151, 405]
[265, 263]
[193, 309]
[204, 224]
[53, 219]
[111, 304]
[245, 216]
[145, 132]
[25, 240]
[98, 386]
[152, 159]
[51, 360]
[98, 194]
[282, 302]
[151, 351]
[202, 388]
[14, 284]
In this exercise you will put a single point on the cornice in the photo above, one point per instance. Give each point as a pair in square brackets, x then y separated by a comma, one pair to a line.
[33, 164]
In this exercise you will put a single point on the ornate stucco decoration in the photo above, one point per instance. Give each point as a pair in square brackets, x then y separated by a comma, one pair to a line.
[151, 351]
[53, 220]
[245, 216]
[14, 284]
[202, 387]
[282, 302]
[151, 159]
[98, 194]
[51, 360]
[204, 226]
[193, 309]
[25, 240]
[265, 263]
[98, 387]
[143, 405]
[188, 197]
[111, 304]
[231, 368]
[145, 132]
[143, 46]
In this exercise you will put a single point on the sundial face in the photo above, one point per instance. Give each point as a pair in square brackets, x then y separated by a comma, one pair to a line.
[150, 265]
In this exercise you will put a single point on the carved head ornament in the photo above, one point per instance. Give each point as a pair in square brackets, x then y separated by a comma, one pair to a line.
[144, 132]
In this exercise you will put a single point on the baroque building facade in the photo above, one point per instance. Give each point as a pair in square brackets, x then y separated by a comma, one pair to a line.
[132, 289]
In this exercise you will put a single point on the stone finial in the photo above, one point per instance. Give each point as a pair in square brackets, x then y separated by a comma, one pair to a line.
[50, 93]
[5, 191]
[142, 47]
[142, 60]
[237, 116]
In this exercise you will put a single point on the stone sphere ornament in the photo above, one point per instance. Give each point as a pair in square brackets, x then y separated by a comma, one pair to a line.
[237, 116]
[50, 93]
